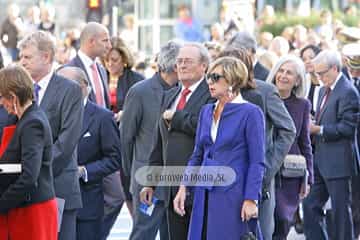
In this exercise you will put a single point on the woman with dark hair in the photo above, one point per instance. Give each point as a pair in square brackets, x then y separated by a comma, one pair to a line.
[28, 208]
[312, 83]
[119, 62]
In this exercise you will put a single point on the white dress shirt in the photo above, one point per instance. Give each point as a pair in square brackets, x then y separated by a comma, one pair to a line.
[43, 83]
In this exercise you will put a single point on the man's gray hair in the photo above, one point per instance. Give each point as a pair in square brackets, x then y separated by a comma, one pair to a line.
[204, 53]
[243, 40]
[41, 40]
[166, 59]
[330, 58]
[91, 29]
[300, 87]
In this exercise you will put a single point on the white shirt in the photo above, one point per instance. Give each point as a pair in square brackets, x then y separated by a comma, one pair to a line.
[43, 83]
[192, 89]
[87, 63]
[215, 124]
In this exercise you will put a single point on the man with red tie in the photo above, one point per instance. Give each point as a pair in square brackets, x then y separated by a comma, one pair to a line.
[334, 162]
[176, 134]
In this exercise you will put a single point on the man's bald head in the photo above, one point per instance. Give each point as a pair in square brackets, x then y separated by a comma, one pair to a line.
[77, 75]
[95, 40]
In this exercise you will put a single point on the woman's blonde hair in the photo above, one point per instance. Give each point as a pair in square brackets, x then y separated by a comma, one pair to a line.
[15, 79]
[234, 71]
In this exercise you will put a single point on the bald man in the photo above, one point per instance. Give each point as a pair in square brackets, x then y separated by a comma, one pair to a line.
[94, 43]
[98, 156]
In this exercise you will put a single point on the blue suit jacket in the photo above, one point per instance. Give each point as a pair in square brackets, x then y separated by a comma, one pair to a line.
[76, 62]
[335, 149]
[99, 152]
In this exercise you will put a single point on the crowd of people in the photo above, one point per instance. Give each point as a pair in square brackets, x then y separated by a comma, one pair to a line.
[283, 114]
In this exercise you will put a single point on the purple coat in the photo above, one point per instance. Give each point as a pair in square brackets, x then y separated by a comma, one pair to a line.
[239, 144]
[287, 194]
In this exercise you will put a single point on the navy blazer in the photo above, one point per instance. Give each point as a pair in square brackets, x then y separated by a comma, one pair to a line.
[76, 62]
[99, 152]
[32, 146]
[334, 149]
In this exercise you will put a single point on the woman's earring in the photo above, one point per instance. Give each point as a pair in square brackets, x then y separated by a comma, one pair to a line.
[15, 109]
[230, 91]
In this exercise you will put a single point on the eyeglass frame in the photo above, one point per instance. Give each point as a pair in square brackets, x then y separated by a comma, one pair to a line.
[320, 74]
[213, 77]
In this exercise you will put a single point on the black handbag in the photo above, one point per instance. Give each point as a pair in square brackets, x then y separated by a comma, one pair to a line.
[294, 166]
[251, 233]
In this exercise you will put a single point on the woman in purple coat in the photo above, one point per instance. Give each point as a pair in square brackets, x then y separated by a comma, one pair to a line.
[230, 133]
[289, 77]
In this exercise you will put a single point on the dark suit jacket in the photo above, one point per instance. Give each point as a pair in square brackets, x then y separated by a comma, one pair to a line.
[253, 96]
[125, 82]
[334, 149]
[76, 62]
[175, 144]
[99, 152]
[142, 110]
[63, 106]
[32, 145]
[260, 72]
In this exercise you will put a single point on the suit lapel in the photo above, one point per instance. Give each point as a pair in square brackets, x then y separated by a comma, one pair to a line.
[333, 95]
[51, 90]
[172, 97]
[197, 95]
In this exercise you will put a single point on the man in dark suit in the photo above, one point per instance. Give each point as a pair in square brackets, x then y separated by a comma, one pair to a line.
[176, 134]
[95, 43]
[61, 100]
[247, 41]
[98, 156]
[142, 110]
[334, 161]
[352, 54]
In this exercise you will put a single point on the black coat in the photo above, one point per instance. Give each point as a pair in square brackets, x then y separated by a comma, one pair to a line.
[31, 146]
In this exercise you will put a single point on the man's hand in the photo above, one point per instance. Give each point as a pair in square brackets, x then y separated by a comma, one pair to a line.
[168, 115]
[118, 116]
[179, 201]
[314, 129]
[81, 171]
[146, 195]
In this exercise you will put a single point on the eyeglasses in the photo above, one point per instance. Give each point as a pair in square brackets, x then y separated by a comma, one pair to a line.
[320, 74]
[214, 77]
[185, 61]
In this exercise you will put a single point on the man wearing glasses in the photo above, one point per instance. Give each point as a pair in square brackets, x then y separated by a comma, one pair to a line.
[336, 120]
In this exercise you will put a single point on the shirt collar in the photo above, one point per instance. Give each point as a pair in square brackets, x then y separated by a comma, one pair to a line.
[334, 83]
[85, 59]
[193, 87]
[238, 99]
[44, 82]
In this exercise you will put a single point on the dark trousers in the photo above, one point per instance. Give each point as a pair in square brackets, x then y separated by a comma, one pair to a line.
[88, 229]
[178, 225]
[108, 222]
[68, 225]
[339, 190]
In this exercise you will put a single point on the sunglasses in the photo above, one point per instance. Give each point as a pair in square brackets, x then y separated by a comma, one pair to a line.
[214, 77]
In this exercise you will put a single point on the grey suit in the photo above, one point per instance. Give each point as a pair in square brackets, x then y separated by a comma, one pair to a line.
[142, 110]
[63, 106]
[280, 134]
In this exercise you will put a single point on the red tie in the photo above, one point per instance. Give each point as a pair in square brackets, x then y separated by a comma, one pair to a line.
[182, 101]
[323, 103]
[97, 85]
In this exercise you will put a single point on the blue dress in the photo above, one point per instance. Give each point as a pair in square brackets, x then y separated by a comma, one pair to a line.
[240, 145]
